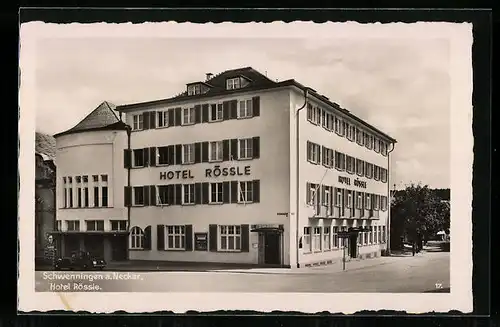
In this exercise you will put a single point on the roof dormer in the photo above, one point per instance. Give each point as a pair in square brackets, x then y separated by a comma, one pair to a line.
[197, 88]
[237, 82]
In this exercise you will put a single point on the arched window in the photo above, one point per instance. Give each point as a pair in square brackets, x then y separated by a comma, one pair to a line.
[136, 238]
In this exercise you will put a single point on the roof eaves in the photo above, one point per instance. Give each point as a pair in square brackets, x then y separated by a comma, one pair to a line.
[120, 125]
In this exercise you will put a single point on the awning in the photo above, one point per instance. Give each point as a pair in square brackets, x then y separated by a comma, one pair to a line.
[267, 228]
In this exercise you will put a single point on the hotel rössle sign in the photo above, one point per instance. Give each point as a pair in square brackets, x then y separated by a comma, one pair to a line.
[347, 181]
[213, 172]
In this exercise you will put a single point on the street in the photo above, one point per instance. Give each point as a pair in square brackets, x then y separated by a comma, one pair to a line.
[424, 272]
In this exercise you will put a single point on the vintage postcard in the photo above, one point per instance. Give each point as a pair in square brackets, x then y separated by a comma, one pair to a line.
[262, 166]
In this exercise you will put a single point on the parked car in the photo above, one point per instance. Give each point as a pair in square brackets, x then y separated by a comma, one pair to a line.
[80, 260]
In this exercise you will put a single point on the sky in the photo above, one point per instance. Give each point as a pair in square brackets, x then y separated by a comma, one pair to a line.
[399, 85]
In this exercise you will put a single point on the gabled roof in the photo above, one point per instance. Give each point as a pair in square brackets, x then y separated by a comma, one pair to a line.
[101, 118]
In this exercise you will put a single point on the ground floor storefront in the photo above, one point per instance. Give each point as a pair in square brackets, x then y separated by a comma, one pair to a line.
[109, 246]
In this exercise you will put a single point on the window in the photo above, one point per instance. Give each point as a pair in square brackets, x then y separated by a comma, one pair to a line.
[215, 151]
[216, 193]
[307, 240]
[349, 199]
[118, 225]
[376, 173]
[65, 194]
[360, 165]
[338, 199]
[85, 179]
[246, 192]
[368, 170]
[317, 115]
[104, 199]
[194, 89]
[79, 196]
[245, 148]
[337, 125]
[324, 116]
[368, 202]
[73, 225]
[310, 113]
[163, 118]
[95, 225]
[313, 152]
[340, 163]
[70, 197]
[230, 238]
[188, 153]
[138, 158]
[327, 157]
[311, 194]
[384, 203]
[175, 237]
[245, 110]
[104, 178]
[383, 148]
[162, 196]
[59, 226]
[137, 122]
[188, 116]
[359, 201]
[326, 238]
[136, 238]
[376, 202]
[376, 146]
[349, 164]
[162, 155]
[370, 235]
[383, 175]
[78, 179]
[138, 196]
[188, 192]
[352, 133]
[317, 239]
[329, 122]
[233, 83]
[95, 178]
[216, 112]
[359, 136]
[327, 198]
[365, 238]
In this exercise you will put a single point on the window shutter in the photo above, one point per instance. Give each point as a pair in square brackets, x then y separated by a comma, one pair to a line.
[204, 193]
[189, 237]
[323, 188]
[225, 150]
[234, 192]
[323, 152]
[197, 193]
[152, 156]
[147, 238]
[145, 153]
[146, 195]
[234, 149]
[127, 196]
[152, 195]
[225, 110]
[213, 110]
[204, 152]
[308, 193]
[204, 113]
[171, 155]
[160, 237]
[256, 191]
[197, 152]
[225, 192]
[171, 117]
[178, 194]
[212, 235]
[234, 109]
[245, 238]
[152, 119]
[256, 147]
[256, 106]
[178, 154]
[127, 158]
[145, 119]
[170, 194]
[197, 114]
[178, 116]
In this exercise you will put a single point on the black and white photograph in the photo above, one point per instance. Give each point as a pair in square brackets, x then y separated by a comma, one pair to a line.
[246, 166]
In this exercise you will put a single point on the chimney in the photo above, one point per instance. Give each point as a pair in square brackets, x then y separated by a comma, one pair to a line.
[209, 76]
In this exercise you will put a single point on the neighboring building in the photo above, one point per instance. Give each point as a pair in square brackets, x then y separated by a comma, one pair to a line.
[213, 175]
[91, 214]
[45, 186]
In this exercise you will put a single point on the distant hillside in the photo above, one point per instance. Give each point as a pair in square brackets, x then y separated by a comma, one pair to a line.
[45, 144]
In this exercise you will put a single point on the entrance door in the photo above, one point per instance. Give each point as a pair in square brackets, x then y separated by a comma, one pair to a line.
[272, 248]
[119, 248]
[95, 245]
[353, 246]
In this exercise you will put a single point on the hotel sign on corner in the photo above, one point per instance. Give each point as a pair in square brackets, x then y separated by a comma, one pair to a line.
[347, 181]
[216, 171]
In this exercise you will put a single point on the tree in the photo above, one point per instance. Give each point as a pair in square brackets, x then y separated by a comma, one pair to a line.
[418, 211]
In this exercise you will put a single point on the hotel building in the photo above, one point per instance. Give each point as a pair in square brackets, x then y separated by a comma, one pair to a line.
[242, 169]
